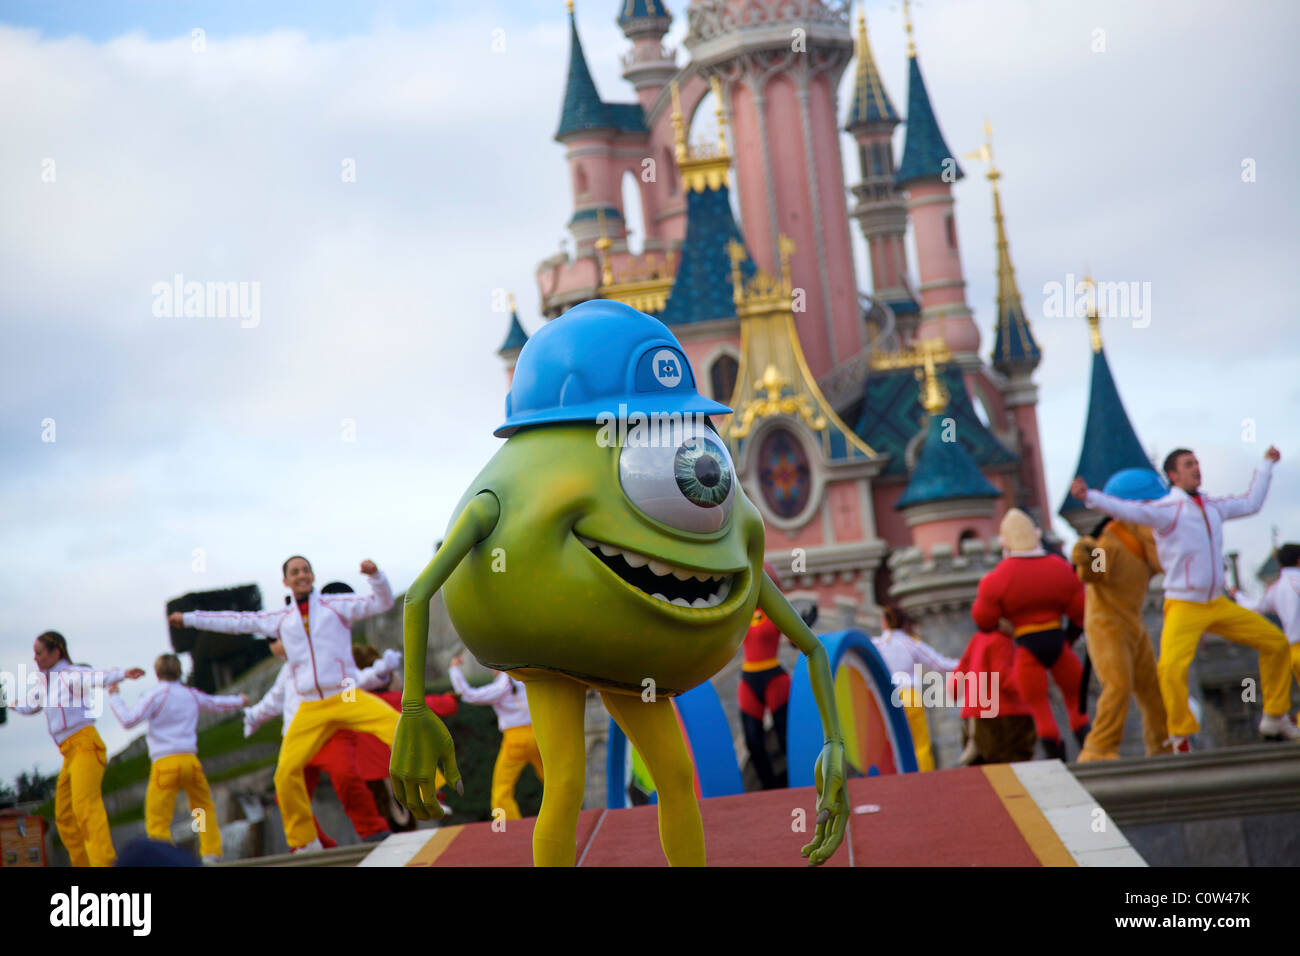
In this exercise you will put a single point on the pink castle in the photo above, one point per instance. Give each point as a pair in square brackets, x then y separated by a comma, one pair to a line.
[881, 446]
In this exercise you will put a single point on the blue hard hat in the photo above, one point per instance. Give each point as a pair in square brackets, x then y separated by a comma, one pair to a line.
[1136, 484]
[601, 358]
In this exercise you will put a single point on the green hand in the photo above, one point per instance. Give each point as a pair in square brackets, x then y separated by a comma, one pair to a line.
[832, 805]
[832, 794]
[420, 745]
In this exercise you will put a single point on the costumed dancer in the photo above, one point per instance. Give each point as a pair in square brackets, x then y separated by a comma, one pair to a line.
[1116, 563]
[764, 688]
[1034, 590]
[317, 635]
[518, 745]
[997, 725]
[63, 692]
[903, 653]
[1281, 599]
[172, 710]
[1188, 529]
[337, 756]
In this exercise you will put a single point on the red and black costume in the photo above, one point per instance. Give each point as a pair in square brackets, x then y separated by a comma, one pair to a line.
[764, 686]
[1034, 592]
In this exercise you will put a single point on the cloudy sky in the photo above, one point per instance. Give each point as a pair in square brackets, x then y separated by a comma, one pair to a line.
[383, 171]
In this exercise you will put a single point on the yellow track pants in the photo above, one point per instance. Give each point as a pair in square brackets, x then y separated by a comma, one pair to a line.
[78, 804]
[518, 750]
[916, 723]
[168, 776]
[315, 722]
[1186, 621]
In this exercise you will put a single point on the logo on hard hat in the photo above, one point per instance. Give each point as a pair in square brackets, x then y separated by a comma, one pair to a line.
[667, 368]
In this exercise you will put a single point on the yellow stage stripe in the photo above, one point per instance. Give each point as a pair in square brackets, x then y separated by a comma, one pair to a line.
[1033, 826]
[438, 843]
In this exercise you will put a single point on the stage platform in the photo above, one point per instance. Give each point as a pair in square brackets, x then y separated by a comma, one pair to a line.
[1027, 814]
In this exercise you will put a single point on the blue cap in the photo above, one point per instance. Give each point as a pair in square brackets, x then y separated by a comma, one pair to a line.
[1136, 484]
[596, 357]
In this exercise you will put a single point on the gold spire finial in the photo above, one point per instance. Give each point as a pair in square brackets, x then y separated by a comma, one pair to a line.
[512, 302]
[1094, 317]
[602, 251]
[679, 131]
[907, 23]
[568, 5]
[934, 397]
[716, 86]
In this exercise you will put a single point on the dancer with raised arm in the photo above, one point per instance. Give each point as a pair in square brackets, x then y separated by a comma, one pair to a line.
[316, 631]
[70, 696]
[1188, 529]
[172, 710]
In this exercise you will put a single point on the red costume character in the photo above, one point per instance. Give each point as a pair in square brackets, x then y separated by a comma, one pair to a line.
[1033, 590]
[1002, 729]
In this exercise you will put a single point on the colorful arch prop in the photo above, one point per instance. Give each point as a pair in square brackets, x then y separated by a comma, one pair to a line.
[876, 737]
[708, 739]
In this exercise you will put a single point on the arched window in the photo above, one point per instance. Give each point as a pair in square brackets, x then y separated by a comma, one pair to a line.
[633, 216]
[580, 181]
[722, 376]
[951, 229]
[967, 535]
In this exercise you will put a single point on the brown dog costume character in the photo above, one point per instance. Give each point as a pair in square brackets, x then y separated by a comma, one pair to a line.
[1116, 563]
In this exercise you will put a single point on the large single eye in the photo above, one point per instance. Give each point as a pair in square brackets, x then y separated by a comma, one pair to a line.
[687, 483]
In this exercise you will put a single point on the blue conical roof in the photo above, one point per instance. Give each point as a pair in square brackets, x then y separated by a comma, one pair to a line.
[944, 471]
[924, 150]
[630, 11]
[1109, 442]
[516, 337]
[583, 108]
[702, 288]
[870, 101]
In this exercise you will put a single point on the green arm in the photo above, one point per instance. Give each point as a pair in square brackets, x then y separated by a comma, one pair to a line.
[832, 802]
[422, 742]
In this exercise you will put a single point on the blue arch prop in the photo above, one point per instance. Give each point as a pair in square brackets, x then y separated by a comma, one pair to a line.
[804, 737]
[709, 734]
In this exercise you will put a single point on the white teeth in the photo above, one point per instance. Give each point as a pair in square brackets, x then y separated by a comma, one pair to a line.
[659, 568]
[634, 559]
[680, 602]
[722, 583]
[681, 575]
[700, 602]
[703, 576]
[660, 597]
[586, 542]
[607, 551]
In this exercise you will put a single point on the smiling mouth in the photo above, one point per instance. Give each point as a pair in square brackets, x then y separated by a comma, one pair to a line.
[700, 590]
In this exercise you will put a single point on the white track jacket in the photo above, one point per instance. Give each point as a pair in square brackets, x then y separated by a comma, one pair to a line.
[172, 710]
[1189, 540]
[319, 664]
[1283, 599]
[72, 696]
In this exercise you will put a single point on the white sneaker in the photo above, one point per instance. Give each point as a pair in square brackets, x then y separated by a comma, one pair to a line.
[210, 858]
[1278, 728]
[313, 847]
[1180, 744]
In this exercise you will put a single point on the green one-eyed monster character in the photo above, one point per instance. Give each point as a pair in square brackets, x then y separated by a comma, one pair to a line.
[607, 545]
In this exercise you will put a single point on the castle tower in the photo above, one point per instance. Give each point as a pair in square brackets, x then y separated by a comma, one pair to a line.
[927, 173]
[516, 339]
[649, 65]
[947, 499]
[1109, 441]
[1016, 355]
[593, 132]
[881, 210]
[780, 65]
